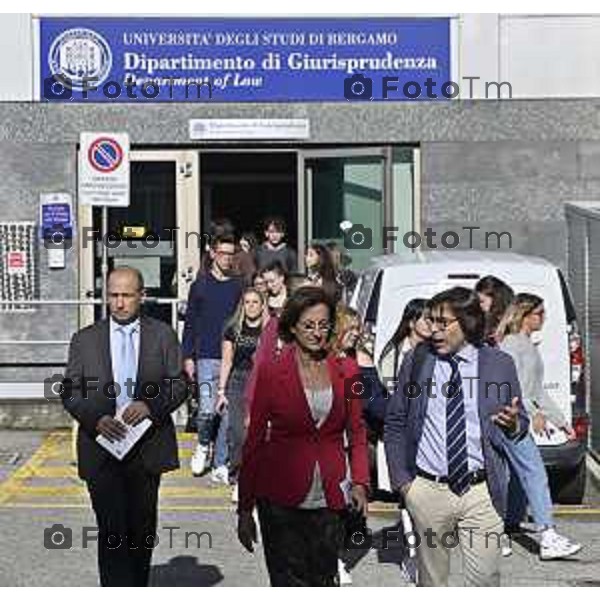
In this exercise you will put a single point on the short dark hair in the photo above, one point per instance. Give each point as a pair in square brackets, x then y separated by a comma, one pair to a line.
[464, 304]
[276, 266]
[250, 238]
[300, 301]
[222, 238]
[277, 222]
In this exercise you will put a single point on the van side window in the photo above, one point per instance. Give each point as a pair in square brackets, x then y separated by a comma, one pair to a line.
[569, 306]
[373, 308]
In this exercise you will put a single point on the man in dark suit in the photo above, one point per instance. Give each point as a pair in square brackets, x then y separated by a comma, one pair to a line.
[443, 439]
[142, 356]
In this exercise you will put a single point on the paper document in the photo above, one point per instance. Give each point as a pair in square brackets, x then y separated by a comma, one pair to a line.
[550, 436]
[120, 449]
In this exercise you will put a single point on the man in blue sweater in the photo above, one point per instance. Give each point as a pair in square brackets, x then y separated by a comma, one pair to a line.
[212, 300]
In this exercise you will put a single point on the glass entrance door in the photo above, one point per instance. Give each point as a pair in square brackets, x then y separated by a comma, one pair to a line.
[158, 233]
[345, 193]
[361, 198]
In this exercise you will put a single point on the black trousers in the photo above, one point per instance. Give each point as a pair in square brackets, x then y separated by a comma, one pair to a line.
[301, 546]
[124, 498]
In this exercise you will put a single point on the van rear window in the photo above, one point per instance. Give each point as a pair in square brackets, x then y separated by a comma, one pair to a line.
[569, 306]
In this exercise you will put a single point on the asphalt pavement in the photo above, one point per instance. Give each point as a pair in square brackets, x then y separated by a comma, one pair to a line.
[197, 545]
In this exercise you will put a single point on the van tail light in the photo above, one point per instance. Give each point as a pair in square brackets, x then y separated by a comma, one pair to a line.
[581, 424]
[576, 358]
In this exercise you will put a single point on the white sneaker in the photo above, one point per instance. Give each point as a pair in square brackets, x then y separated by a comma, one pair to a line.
[554, 545]
[344, 574]
[234, 493]
[506, 546]
[198, 462]
[220, 475]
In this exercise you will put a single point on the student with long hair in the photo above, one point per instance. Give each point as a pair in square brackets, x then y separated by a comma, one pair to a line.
[239, 345]
[348, 330]
[320, 269]
[244, 260]
[494, 298]
[412, 330]
[528, 479]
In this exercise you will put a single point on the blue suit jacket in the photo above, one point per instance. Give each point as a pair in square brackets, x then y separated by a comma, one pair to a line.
[497, 385]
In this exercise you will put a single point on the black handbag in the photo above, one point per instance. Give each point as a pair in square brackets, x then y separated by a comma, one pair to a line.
[191, 425]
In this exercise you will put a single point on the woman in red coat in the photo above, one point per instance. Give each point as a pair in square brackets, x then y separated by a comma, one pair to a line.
[294, 462]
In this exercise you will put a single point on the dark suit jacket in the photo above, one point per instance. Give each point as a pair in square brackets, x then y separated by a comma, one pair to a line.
[90, 367]
[405, 417]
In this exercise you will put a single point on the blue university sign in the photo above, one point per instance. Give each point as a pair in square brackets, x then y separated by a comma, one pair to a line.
[244, 60]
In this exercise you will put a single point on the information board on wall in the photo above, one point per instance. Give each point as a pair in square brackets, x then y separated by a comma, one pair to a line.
[17, 265]
[240, 60]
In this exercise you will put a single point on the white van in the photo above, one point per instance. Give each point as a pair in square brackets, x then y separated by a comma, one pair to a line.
[384, 289]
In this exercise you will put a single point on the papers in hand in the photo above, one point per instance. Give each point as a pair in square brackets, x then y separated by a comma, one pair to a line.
[550, 436]
[120, 448]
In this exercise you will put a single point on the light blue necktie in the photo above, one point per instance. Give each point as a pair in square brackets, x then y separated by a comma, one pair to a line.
[126, 367]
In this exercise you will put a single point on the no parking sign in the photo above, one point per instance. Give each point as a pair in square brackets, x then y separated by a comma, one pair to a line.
[104, 169]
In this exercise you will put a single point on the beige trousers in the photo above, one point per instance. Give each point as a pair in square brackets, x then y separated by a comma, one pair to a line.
[447, 523]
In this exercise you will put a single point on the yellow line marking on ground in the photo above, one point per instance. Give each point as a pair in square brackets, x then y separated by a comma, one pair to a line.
[560, 511]
[57, 445]
[162, 509]
[21, 474]
[225, 508]
[65, 472]
[165, 491]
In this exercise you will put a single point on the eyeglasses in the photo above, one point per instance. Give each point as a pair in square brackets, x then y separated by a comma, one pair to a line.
[311, 327]
[443, 322]
[223, 253]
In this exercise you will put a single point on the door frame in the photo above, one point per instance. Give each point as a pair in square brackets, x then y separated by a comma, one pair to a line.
[188, 198]
[187, 217]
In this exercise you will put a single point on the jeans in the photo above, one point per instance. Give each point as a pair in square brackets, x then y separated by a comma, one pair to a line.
[528, 484]
[207, 375]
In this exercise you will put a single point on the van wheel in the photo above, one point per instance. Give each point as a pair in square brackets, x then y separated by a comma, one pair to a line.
[568, 487]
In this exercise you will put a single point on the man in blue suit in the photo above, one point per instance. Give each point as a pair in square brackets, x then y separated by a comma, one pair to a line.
[454, 401]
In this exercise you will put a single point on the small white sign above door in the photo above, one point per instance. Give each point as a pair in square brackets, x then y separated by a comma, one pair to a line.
[249, 129]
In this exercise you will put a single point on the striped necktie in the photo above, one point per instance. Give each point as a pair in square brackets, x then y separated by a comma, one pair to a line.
[456, 433]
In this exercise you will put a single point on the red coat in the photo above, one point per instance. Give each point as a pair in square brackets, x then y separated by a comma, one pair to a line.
[278, 461]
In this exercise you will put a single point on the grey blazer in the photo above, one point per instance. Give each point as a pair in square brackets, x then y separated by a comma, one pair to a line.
[405, 417]
[90, 368]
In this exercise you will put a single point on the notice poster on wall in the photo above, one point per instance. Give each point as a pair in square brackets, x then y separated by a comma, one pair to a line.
[17, 265]
[87, 59]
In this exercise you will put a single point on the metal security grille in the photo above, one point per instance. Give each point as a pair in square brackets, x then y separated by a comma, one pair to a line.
[583, 223]
[17, 265]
